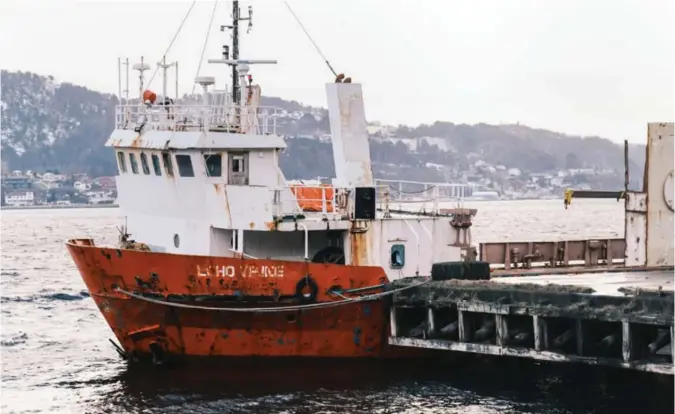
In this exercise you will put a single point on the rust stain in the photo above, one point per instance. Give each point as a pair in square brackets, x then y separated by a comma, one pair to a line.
[193, 332]
[271, 225]
[143, 330]
[251, 225]
[217, 187]
[227, 207]
[136, 143]
[359, 245]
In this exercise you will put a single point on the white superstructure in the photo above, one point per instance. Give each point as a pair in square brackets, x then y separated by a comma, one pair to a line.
[204, 179]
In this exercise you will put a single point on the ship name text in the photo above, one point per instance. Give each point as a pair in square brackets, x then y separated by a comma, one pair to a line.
[244, 270]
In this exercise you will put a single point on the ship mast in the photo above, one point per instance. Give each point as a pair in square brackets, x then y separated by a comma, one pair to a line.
[240, 67]
[236, 18]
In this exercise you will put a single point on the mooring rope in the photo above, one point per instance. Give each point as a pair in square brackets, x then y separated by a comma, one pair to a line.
[345, 301]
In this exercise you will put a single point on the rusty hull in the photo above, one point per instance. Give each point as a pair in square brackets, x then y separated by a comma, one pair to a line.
[351, 331]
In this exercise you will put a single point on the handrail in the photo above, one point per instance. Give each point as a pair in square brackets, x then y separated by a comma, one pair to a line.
[326, 199]
[259, 120]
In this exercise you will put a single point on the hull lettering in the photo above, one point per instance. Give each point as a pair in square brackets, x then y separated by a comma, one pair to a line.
[243, 271]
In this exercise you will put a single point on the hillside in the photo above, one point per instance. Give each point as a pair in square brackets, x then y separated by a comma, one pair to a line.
[46, 125]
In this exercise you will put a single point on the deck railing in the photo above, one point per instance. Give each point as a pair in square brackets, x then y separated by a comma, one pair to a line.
[296, 200]
[419, 196]
[231, 118]
[327, 199]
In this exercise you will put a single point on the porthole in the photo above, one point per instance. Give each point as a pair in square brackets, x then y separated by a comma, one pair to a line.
[397, 260]
[176, 240]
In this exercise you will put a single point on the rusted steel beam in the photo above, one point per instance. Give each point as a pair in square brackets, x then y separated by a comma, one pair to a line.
[574, 302]
[626, 341]
[487, 349]
[572, 270]
[540, 333]
[530, 254]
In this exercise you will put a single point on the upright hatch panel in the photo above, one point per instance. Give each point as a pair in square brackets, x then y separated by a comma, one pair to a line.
[349, 134]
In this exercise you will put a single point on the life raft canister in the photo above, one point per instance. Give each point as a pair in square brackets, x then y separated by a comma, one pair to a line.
[306, 283]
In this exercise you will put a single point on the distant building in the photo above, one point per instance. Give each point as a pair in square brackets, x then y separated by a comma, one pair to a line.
[53, 178]
[100, 197]
[16, 183]
[514, 172]
[81, 186]
[19, 198]
[557, 181]
[106, 183]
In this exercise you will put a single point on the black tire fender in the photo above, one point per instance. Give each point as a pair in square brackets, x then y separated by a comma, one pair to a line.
[306, 282]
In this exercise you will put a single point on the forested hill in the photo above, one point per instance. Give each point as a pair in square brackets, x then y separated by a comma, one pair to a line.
[47, 125]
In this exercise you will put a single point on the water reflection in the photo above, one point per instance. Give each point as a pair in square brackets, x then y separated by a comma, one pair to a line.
[472, 384]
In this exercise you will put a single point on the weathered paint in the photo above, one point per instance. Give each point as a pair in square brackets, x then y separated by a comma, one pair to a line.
[183, 140]
[636, 229]
[660, 150]
[487, 349]
[349, 134]
[344, 331]
[489, 316]
[251, 270]
[590, 252]
[360, 243]
[426, 241]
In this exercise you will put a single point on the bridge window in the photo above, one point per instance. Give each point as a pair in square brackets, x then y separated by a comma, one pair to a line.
[397, 260]
[214, 165]
[155, 164]
[185, 166]
[144, 164]
[134, 163]
[122, 162]
[168, 165]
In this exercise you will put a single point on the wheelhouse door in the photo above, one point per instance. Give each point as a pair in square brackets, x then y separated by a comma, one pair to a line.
[238, 168]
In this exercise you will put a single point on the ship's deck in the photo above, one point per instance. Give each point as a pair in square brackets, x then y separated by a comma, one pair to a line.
[611, 284]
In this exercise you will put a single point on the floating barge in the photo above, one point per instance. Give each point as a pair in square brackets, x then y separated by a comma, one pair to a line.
[599, 302]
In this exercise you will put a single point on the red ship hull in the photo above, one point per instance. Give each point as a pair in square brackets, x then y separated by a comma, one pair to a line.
[199, 283]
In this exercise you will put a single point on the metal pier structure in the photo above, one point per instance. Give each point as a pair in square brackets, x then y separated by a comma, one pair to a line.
[622, 320]
[601, 302]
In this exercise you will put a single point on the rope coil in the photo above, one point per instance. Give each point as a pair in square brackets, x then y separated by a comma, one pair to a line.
[345, 301]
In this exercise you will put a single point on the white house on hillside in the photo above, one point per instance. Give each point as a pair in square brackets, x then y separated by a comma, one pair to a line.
[20, 198]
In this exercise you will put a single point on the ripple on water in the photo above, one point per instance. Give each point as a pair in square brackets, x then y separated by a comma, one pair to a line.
[56, 296]
[56, 355]
[14, 340]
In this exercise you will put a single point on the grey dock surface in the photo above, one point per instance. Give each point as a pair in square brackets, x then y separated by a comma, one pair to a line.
[619, 319]
[612, 284]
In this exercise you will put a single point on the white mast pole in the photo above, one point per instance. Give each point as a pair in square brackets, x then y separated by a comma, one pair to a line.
[165, 70]
[140, 81]
[141, 67]
[119, 79]
[164, 80]
[176, 81]
[126, 91]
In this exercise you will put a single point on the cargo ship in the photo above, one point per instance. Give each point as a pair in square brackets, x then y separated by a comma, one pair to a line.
[220, 256]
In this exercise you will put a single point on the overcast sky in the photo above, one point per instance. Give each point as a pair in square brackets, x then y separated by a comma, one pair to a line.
[589, 67]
